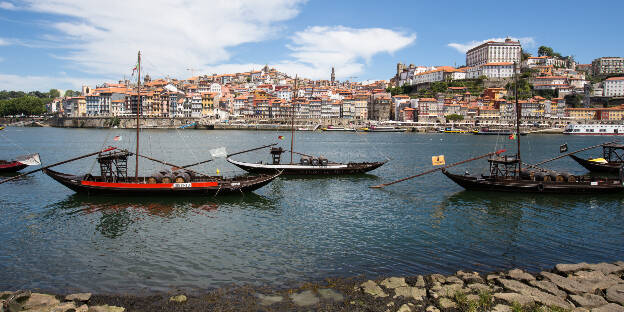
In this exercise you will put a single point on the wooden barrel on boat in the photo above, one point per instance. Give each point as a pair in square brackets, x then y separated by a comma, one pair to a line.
[527, 174]
[182, 177]
[155, 178]
[568, 176]
[542, 176]
[323, 161]
[314, 162]
[167, 178]
[305, 161]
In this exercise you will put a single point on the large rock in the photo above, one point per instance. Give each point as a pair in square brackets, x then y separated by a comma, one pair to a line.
[40, 301]
[106, 308]
[501, 308]
[588, 300]
[411, 292]
[394, 282]
[178, 298]
[432, 309]
[420, 281]
[479, 288]
[266, 300]
[616, 294]
[511, 298]
[596, 279]
[568, 268]
[611, 307]
[78, 297]
[606, 268]
[373, 289]
[454, 280]
[469, 277]
[330, 294]
[404, 308]
[446, 303]
[448, 290]
[63, 307]
[535, 294]
[439, 278]
[520, 275]
[568, 284]
[305, 298]
[549, 287]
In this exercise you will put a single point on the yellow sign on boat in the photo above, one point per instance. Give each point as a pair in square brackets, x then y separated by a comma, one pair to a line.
[438, 160]
[599, 160]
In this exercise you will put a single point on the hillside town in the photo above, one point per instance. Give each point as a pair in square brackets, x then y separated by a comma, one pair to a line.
[552, 89]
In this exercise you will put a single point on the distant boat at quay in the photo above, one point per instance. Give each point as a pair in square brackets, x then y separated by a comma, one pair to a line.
[332, 128]
[594, 129]
[383, 129]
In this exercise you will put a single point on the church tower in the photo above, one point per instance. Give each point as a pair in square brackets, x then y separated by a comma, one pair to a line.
[333, 75]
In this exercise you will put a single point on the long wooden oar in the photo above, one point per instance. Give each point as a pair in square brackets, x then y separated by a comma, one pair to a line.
[229, 155]
[58, 163]
[437, 169]
[568, 154]
[302, 154]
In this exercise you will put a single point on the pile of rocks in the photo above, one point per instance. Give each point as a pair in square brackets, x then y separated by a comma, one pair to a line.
[569, 287]
[27, 301]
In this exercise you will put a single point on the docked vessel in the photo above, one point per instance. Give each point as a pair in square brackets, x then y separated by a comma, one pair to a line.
[19, 163]
[114, 178]
[611, 161]
[307, 165]
[333, 128]
[453, 130]
[506, 174]
[383, 129]
[594, 129]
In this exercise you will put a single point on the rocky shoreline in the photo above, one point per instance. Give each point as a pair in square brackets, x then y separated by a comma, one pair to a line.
[567, 287]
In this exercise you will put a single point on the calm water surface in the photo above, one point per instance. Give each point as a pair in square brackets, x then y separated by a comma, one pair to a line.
[294, 229]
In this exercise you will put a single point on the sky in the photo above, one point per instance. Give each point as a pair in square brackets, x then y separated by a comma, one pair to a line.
[65, 44]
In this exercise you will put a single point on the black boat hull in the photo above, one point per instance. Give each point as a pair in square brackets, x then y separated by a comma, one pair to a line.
[296, 169]
[530, 186]
[597, 167]
[14, 166]
[209, 186]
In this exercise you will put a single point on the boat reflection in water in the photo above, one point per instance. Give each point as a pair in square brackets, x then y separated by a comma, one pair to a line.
[118, 214]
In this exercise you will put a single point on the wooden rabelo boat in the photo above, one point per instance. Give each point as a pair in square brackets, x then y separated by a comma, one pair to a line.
[180, 181]
[19, 163]
[308, 164]
[506, 174]
[611, 161]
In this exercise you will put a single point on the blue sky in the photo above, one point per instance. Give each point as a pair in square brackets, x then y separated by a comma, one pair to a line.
[66, 43]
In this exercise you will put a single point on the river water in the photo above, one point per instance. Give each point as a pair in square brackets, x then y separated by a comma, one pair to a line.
[295, 229]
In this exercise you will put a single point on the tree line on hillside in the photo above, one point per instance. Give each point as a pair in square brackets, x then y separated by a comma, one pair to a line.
[29, 103]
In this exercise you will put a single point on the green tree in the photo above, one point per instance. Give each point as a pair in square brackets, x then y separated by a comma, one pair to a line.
[525, 55]
[454, 117]
[545, 51]
[54, 93]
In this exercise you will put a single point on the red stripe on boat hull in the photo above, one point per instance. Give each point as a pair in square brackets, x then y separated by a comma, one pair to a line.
[146, 185]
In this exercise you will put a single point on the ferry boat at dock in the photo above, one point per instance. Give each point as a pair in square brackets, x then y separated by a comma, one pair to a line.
[594, 129]
[383, 129]
[332, 128]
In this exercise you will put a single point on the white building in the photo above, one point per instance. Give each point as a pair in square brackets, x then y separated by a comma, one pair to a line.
[494, 52]
[614, 86]
[491, 70]
[215, 88]
[440, 74]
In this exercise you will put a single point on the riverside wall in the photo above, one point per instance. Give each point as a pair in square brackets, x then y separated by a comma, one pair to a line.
[578, 287]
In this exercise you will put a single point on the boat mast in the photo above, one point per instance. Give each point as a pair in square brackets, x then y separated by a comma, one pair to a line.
[136, 169]
[292, 123]
[518, 111]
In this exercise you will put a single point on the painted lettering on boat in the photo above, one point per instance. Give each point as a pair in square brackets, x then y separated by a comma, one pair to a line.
[594, 183]
[235, 183]
[176, 185]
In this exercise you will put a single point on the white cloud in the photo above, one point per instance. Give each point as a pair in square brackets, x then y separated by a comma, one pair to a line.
[3, 42]
[7, 5]
[172, 34]
[463, 47]
[316, 49]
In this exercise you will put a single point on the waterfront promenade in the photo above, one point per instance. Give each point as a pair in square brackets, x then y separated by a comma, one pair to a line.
[566, 287]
